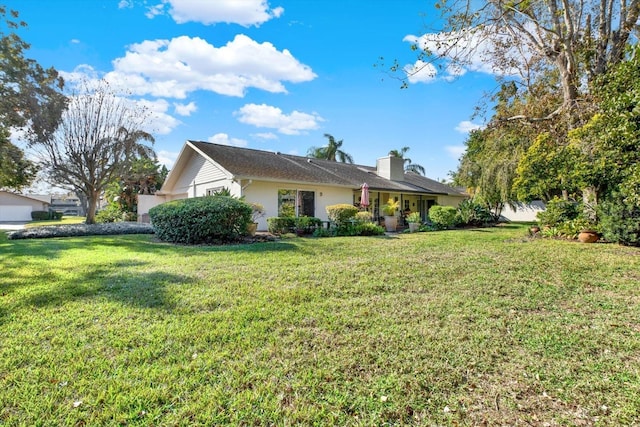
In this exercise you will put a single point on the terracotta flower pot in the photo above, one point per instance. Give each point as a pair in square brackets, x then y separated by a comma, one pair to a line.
[588, 236]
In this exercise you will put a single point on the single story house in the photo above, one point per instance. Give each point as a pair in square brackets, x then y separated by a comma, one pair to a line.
[18, 207]
[288, 184]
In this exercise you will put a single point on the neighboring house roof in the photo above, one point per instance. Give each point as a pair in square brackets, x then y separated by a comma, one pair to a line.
[42, 197]
[31, 197]
[245, 163]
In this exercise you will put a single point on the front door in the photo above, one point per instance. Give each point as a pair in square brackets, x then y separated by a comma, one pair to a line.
[307, 203]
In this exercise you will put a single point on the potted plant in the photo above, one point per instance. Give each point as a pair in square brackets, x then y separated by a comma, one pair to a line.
[389, 212]
[589, 234]
[414, 221]
[257, 212]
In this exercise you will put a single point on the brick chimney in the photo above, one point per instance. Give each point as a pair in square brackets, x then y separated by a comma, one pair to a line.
[390, 167]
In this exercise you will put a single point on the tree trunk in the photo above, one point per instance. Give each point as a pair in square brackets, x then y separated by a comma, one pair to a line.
[92, 208]
[590, 201]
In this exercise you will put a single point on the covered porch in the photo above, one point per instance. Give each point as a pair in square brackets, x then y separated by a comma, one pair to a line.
[409, 203]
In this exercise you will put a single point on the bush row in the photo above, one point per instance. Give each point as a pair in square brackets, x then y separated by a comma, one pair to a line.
[299, 225]
[72, 230]
[45, 215]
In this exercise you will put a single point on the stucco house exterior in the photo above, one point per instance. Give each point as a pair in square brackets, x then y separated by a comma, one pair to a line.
[18, 207]
[302, 185]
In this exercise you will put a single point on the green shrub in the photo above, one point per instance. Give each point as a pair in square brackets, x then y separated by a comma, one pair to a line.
[307, 224]
[341, 213]
[210, 219]
[281, 224]
[443, 216]
[414, 217]
[300, 225]
[364, 216]
[472, 213]
[369, 229]
[112, 213]
[324, 232]
[40, 215]
[620, 220]
[558, 211]
[570, 229]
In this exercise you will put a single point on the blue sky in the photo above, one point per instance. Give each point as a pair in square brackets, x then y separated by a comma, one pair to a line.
[273, 75]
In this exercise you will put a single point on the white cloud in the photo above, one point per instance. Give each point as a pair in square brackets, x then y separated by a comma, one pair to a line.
[466, 126]
[153, 11]
[265, 135]
[174, 68]
[421, 72]
[185, 109]
[159, 122]
[455, 151]
[223, 138]
[245, 12]
[167, 158]
[272, 117]
[124, 4]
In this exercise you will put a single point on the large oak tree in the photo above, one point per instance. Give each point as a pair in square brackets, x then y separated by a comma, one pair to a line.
[96, 142]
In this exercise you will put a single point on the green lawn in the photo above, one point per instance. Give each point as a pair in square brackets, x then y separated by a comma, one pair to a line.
[443, 328]
[65, 220]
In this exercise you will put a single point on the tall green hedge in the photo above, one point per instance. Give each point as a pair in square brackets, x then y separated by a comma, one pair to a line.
[210, 219]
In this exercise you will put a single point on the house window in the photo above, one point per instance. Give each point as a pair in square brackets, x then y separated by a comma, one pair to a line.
[287, 203]
[293, 203]
[213, 191]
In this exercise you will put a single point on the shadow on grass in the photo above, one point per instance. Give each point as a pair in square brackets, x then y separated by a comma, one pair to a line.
[513, 225]
[29, 268]
[127, 283]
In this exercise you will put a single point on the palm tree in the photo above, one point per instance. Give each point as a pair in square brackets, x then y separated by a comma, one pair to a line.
[331, 151]
[408, 165]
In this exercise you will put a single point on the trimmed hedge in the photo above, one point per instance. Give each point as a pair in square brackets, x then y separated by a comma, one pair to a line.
[287, 224]
[40, 215]
[210, 219]
[341, 213]
[443, 216]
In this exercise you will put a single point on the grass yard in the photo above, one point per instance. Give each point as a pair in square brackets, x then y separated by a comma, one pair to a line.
[477, 327]
[64, 221]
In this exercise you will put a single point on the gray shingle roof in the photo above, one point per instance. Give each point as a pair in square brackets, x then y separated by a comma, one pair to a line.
[248, 163]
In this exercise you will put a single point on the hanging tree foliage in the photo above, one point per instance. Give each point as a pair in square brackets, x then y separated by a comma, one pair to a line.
[30, 100]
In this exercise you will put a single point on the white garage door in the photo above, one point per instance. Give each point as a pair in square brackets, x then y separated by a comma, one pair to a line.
[15, 213]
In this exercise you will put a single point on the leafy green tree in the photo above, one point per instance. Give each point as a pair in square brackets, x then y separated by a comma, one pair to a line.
[96, 142]
[331, 151]
[15, 170]
[557, 49]
[30, 99]
[545, 171]
[145, 176]
[409, 166]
